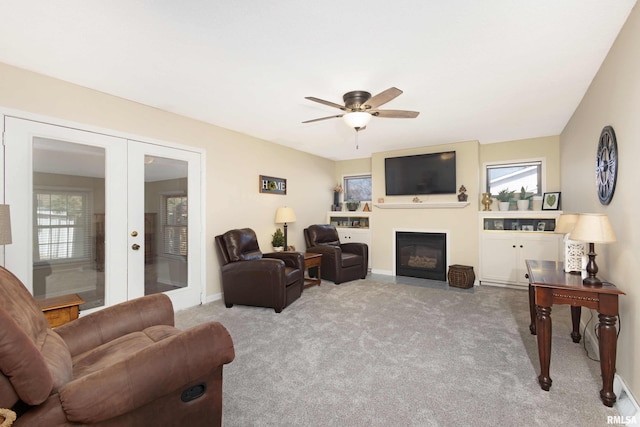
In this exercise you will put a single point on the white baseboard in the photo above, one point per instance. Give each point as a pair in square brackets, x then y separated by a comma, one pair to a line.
[626, 404]
[212, 298]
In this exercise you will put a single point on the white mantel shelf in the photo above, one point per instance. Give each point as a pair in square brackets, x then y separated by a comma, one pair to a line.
[422, 205]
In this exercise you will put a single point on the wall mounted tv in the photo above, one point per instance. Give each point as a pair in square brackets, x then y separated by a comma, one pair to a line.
[421, 174]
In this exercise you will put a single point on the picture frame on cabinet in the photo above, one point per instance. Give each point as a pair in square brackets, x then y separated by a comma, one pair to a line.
[541, 225]
[498, 224]
[527, 227]
[551, 201]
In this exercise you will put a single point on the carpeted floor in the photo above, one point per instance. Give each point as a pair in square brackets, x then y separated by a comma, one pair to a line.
[391, 351]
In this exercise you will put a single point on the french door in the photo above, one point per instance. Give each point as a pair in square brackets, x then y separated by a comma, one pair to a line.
[104, 217]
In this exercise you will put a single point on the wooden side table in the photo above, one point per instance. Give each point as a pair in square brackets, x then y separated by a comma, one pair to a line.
[550, 285]
[60, 310]
[312, 260]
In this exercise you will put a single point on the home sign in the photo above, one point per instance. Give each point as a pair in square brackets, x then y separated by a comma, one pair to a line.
[272, 185]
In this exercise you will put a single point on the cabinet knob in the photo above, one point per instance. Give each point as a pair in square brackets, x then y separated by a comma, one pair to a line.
[514, 246]
[521, 246]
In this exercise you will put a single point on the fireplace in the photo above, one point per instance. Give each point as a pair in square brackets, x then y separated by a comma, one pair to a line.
[421, 254]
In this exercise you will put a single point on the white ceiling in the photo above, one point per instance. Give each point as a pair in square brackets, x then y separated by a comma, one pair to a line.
[493, 70]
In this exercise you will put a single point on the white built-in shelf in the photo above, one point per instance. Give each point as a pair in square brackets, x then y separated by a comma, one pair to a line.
[422, 205]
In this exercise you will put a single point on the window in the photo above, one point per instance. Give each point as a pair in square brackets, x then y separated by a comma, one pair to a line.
[62, 225]
[174, 225]
[357, 188]
[514, 176]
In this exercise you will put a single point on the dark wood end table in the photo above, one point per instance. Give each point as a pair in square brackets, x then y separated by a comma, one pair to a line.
[549, 284]
[312, 260]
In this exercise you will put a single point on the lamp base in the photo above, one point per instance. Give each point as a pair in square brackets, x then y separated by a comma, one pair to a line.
[592, 281]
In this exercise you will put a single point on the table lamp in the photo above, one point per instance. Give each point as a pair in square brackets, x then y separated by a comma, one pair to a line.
[285, 215]
[575, 258]
[593, 228]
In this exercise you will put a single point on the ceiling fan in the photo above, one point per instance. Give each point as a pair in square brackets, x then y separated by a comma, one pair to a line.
[359, 106]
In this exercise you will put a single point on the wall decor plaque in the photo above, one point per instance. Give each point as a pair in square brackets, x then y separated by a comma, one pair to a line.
[272, 185]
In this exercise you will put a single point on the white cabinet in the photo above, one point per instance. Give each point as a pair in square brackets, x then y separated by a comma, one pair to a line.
[353, 227]
[507, 240]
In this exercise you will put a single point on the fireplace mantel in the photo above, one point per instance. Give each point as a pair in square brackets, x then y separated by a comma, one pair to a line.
[422, 205]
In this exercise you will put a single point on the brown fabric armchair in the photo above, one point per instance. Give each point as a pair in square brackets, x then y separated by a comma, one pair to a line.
[250, 277]
[125, 365]
[341, 262]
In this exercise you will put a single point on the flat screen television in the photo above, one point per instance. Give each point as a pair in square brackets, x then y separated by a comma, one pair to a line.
[433, 173]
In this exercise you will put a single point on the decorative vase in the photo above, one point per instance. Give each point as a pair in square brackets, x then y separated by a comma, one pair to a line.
[504, 206]
[336, 198]
[486, 201]
[523, 205]
[352, 206]
[278, 248]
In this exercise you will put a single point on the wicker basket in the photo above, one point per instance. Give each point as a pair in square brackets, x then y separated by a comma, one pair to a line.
[7, 417]
[461, 276]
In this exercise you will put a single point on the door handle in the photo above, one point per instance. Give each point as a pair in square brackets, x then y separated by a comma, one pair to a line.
[135, 246]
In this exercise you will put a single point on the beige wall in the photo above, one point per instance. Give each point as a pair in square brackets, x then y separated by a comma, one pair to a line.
[233, 160]
[612, 99]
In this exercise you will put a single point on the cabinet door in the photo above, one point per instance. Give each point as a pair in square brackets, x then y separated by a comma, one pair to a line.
[499, 256]
[538, 247]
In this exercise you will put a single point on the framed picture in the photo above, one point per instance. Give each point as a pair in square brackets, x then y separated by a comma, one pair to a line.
[498, 224]
[272, 185]
[541, 225]
[527, 227]
[551, 201]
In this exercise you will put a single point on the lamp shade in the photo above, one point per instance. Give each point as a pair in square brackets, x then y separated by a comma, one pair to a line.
[284, 215]
[5, 225]
[357, 119]
[565, 223]
[593, 228]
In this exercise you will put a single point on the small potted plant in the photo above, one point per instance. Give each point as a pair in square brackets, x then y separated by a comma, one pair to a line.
[504, 196]
[523, 201]
[277, 240]
[352, 205]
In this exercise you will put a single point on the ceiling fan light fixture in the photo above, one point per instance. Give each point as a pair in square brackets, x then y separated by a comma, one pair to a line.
[357, 119]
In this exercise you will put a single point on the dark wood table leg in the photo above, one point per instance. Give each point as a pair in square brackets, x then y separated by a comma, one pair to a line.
[575, 320]
[532, 309]
[543, 329]
[608, 344]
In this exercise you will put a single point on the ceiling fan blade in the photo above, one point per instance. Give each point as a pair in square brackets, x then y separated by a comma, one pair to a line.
[323, 118]
[322, 101]
[395, 114]
[383, 97]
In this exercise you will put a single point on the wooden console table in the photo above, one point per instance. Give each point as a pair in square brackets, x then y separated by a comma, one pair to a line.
[548, 285]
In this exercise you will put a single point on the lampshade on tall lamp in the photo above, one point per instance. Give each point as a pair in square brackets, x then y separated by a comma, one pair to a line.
[5, 225]
[593, 228]
[283, 216]
[575, 258]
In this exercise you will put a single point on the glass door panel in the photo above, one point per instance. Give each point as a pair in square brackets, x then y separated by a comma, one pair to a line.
[166, 224]
[68, 220]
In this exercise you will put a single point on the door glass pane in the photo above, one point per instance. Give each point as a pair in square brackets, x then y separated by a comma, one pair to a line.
[166, 224]
[68, 220]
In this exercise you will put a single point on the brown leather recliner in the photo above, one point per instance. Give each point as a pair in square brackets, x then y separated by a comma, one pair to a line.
[250, 277]
[341, 262]
[125, 365]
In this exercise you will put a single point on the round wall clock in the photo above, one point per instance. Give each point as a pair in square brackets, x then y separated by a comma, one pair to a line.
[606, 165]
